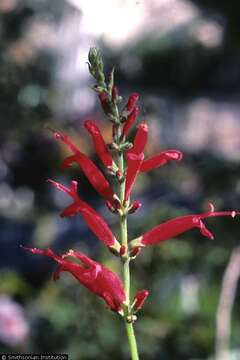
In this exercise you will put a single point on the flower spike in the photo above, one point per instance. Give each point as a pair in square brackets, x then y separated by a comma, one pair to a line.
[100, 145]
[161, 159]
[94, 221]
[91, 274]
[91, 171]
[179, 225]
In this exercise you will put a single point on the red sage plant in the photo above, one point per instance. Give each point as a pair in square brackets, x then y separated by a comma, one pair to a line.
[124, 161]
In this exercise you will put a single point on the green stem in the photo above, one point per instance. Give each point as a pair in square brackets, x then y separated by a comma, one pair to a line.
[126, 268]
[132, 341]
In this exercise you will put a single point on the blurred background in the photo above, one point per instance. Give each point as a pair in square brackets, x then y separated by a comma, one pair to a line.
[183, 57]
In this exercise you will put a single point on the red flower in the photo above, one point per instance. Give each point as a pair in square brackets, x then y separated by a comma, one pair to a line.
[133, 166]
[139, 299]
[100, 145]
[161, 159]
[178, 226]
[130, 121]
[135, 158]
[94, 175]
[94, 276]
[133, 98]
[94, 221]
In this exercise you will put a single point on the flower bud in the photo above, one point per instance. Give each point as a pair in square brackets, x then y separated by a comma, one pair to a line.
[122, 250]
[133, 98]
[115, 94]
[136, 205]
[100, 145]
[104, 99]
[139, 300]
[111, 207]
[135, 251]
[130, 121]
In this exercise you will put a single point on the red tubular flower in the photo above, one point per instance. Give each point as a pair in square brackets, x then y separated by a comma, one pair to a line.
[135, 158]
[130, 121]
[178, 226]
[133, 98]
[94, 276]
[94, 221]
[133, 166]
[139, 299]
[161, 159]
[94, 175]
[100, 145]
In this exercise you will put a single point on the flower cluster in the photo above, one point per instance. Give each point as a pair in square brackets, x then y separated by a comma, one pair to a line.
[124, 160]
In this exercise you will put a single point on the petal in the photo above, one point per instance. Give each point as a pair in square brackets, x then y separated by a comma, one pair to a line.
[65, 265]
[71, 210]
[87, 261]
[57, 272]
[204, 231]
[161, 159]
[59, 186]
